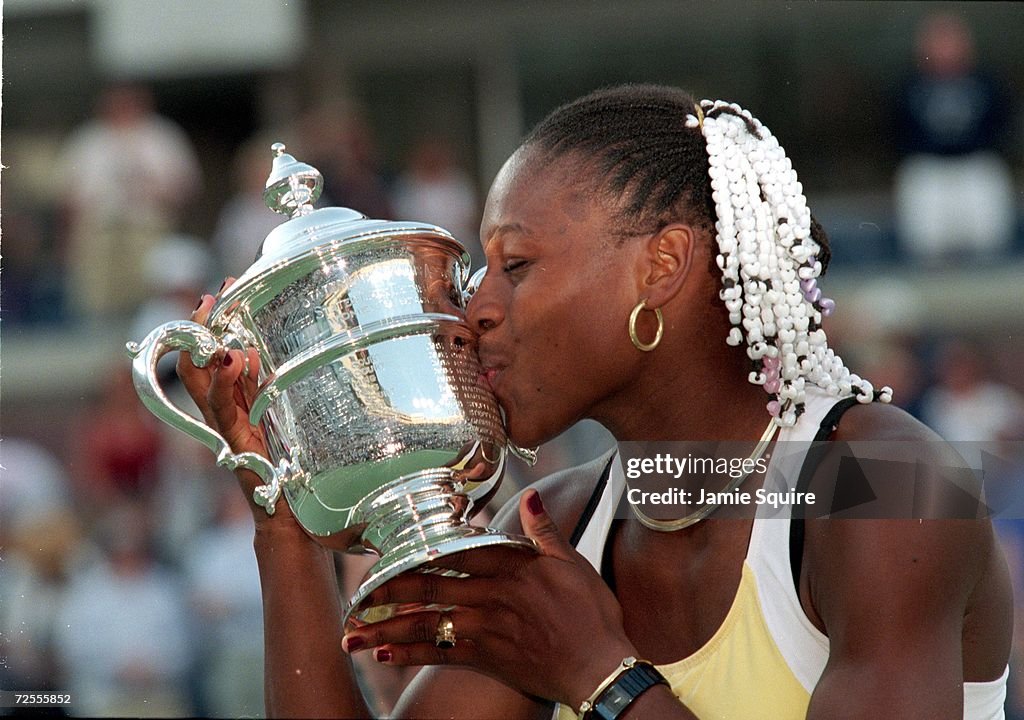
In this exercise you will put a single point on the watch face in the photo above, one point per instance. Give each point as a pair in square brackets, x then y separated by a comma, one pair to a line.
[626, 688]
[616, 699]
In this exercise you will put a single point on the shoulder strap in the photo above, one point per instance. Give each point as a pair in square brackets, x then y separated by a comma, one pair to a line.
[592, 503]
[815, 454]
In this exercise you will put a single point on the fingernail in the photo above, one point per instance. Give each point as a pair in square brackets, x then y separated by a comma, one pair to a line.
[354, 643]
[534, 504]
[200, 303]
[226, 362]
[383, 655]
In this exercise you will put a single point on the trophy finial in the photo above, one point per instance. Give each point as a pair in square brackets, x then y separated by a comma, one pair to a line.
[293, 186]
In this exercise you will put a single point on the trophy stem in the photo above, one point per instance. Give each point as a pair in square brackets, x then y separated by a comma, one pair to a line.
[416, 519]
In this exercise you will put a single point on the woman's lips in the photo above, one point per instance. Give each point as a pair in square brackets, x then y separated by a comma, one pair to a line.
[489, 375]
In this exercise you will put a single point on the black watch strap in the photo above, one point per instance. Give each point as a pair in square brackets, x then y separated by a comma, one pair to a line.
[628, 686]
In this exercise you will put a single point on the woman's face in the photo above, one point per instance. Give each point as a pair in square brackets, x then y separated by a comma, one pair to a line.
[551, 311]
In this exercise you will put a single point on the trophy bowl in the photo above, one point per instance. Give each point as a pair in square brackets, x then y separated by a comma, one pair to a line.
[380, 431]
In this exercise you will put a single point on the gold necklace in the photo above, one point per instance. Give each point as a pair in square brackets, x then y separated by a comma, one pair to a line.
[703, 512]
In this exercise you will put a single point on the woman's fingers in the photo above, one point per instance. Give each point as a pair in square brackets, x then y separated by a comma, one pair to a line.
[411, 639]
[196, 379]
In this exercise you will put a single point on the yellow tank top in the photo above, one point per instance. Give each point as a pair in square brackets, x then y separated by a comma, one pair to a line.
[766, 657]
[741, 648]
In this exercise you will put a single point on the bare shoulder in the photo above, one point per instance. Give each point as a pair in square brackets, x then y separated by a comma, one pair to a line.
[881, 421]
[929, 580]
[565, 494]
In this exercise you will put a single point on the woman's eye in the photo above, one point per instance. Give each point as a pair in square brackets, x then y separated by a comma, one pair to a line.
[513, 265]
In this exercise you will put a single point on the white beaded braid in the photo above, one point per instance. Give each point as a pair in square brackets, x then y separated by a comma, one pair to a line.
[769, 264]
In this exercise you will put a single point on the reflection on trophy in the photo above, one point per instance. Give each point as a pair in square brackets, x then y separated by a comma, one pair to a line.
[380, 432]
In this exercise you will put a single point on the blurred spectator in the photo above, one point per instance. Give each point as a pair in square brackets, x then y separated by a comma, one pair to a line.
[954, 192]
[32, 284]
[123, 633]
[124, 176]
[965, 403]
[224, 590]
[433, 188]
[339, 142]
[176, 271]
[117, 444]
[41, 543]
[245, 220]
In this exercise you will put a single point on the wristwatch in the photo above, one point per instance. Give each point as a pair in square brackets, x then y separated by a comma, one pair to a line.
[635, 678]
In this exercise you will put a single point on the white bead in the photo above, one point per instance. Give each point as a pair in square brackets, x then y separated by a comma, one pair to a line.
[735, 337]
[868, 395]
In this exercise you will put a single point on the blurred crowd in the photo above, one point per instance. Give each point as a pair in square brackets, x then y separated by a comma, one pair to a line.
[128, 573]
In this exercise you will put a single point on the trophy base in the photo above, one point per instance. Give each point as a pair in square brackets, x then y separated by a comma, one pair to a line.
[419, 518]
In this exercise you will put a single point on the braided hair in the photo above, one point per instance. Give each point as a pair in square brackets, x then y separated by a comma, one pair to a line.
[658, 156]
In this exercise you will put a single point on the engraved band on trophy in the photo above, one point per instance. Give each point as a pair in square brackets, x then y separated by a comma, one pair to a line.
[380, 430]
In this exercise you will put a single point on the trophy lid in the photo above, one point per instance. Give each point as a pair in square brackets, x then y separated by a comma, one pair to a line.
[313, 236]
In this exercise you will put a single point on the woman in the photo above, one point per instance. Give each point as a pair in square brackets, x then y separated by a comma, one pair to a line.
[632, 233]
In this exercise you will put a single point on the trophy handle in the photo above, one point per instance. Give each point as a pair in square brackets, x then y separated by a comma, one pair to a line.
[203, 345]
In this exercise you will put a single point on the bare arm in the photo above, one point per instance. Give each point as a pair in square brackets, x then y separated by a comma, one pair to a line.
[892, 594]
[896, 599]
[307, 674]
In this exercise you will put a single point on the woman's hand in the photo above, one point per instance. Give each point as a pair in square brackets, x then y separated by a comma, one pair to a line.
[223, 392]
[545, 624]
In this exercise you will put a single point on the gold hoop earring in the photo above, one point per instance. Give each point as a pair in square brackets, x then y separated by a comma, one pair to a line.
[645, 347]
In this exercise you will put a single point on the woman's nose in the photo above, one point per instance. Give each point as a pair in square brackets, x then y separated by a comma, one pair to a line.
[484, 309]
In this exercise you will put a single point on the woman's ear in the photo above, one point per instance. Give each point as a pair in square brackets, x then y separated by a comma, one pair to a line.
[669, 258]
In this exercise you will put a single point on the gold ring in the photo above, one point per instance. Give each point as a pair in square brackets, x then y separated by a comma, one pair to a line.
[444, 637]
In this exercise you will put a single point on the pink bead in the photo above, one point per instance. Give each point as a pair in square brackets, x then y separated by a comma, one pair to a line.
[771, 387]
[773, 408]
[772, 363]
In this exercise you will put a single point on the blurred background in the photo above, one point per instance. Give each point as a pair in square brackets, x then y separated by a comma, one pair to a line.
[136, 139]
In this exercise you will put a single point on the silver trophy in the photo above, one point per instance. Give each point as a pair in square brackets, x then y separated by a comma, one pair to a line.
[380, 429]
